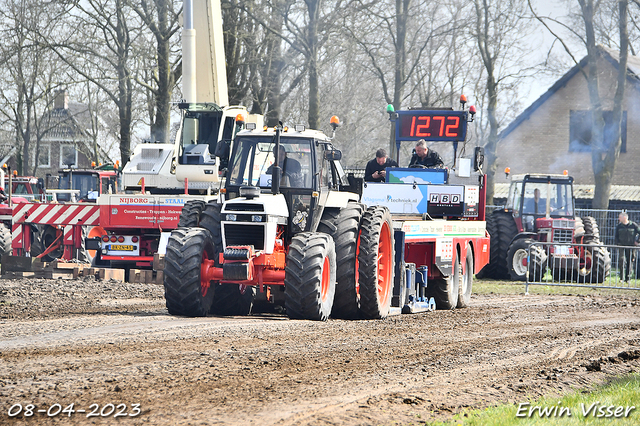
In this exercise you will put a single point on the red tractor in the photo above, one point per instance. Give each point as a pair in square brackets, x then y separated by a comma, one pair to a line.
[538, 229]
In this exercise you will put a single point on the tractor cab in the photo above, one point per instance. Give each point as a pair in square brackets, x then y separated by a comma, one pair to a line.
[536, 200]
[288, 172]
[84, 185]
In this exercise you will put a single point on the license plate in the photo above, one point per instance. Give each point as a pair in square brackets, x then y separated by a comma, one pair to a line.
[121, 248]
[561, 250]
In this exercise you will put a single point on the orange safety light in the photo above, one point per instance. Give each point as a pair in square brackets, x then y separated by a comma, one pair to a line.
[565, 172]
[240, 118]
[507, 170]
[286, 128]
[223, 190]
[93, 164]
[4, 166]
[265, 128]
[335, 120]
[15, 173]
[472, 109]
[463, 99]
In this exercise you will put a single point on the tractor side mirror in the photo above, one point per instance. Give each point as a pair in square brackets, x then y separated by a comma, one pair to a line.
[478, 158]
[333, 155]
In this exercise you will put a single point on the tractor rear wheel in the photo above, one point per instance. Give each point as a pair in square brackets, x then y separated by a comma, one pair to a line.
[591, 230]
[488, 271]
[517, 259]
[538, 260]
[310, 276]
[466, 282]
[376, 260]
[210, 220]
[190, 214]
[595, 264]
[186, 291]
[506, 230]
[5, 239]
[232, 299]
[342, 225]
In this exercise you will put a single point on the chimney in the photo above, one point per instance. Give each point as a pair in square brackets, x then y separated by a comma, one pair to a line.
[61, 100]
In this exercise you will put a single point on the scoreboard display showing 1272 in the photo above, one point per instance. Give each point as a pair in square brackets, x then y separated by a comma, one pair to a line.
[436, 125]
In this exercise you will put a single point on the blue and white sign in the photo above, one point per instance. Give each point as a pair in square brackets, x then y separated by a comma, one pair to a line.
[397, 198]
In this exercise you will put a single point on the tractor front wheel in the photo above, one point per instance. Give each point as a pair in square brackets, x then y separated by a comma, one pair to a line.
[185, 290]
[190, 214]
[310, 276]
[376, 262]
[517, 259]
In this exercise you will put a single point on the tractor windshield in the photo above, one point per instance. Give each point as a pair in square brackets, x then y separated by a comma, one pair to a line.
[558, 196]
[252, 162]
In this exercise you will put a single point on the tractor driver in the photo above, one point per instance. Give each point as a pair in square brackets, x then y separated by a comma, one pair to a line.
[290, 168]
[535, 205]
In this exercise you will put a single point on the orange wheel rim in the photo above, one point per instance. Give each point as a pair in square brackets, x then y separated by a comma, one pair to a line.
[326, 277]
[385, 262]
[204, 282]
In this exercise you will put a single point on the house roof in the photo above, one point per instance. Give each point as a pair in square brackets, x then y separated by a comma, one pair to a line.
[67, 124]
[633, 76]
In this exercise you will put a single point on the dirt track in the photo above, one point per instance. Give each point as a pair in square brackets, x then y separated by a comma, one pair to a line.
[86, 342]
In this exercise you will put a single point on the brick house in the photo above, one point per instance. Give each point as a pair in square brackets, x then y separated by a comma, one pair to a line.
[553, 134]
[67, 141]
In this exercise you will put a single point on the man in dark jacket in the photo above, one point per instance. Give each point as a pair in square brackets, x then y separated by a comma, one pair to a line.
[375, 170]
[626, 234]
[425, 157]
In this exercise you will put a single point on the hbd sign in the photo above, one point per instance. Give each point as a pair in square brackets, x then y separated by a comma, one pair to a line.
[444, 198]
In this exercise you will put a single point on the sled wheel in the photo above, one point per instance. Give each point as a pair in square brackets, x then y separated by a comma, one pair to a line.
[190, 214]
[342, 225]
[233, 299]
[376, 261]
[310, 276]
[43, 241]
[517, 259]
[466, 283]
[185, 291]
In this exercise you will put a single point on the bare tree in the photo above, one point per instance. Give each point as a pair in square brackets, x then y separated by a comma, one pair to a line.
[29, 71]
[499, 29]
[162, 20]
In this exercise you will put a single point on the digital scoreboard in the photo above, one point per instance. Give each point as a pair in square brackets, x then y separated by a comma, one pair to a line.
[431, 125]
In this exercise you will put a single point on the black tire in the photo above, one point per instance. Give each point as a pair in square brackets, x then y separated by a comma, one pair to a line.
[516, 257]
[184, 291]
[591, 229]
[578, 231]
[231, 299]
[595, 265]
[506, 230]
[42, 241]
[376, 261]
[5, 240]
[342, 225]
[210, 220]
[190, 214]
[310, 276]
[488, 271]
[466, 281]
[538, 260]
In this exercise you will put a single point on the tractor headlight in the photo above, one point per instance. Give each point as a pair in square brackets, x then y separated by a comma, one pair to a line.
[256, 218]
[232, 217]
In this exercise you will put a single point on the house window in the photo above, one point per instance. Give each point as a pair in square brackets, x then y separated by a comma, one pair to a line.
[68, 156]
[580, 130]
[44, 156]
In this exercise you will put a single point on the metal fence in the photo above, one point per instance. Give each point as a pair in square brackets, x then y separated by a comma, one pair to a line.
[584, 265]
[607, 221]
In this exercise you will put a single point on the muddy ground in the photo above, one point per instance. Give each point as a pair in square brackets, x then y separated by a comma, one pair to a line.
[89, 342]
